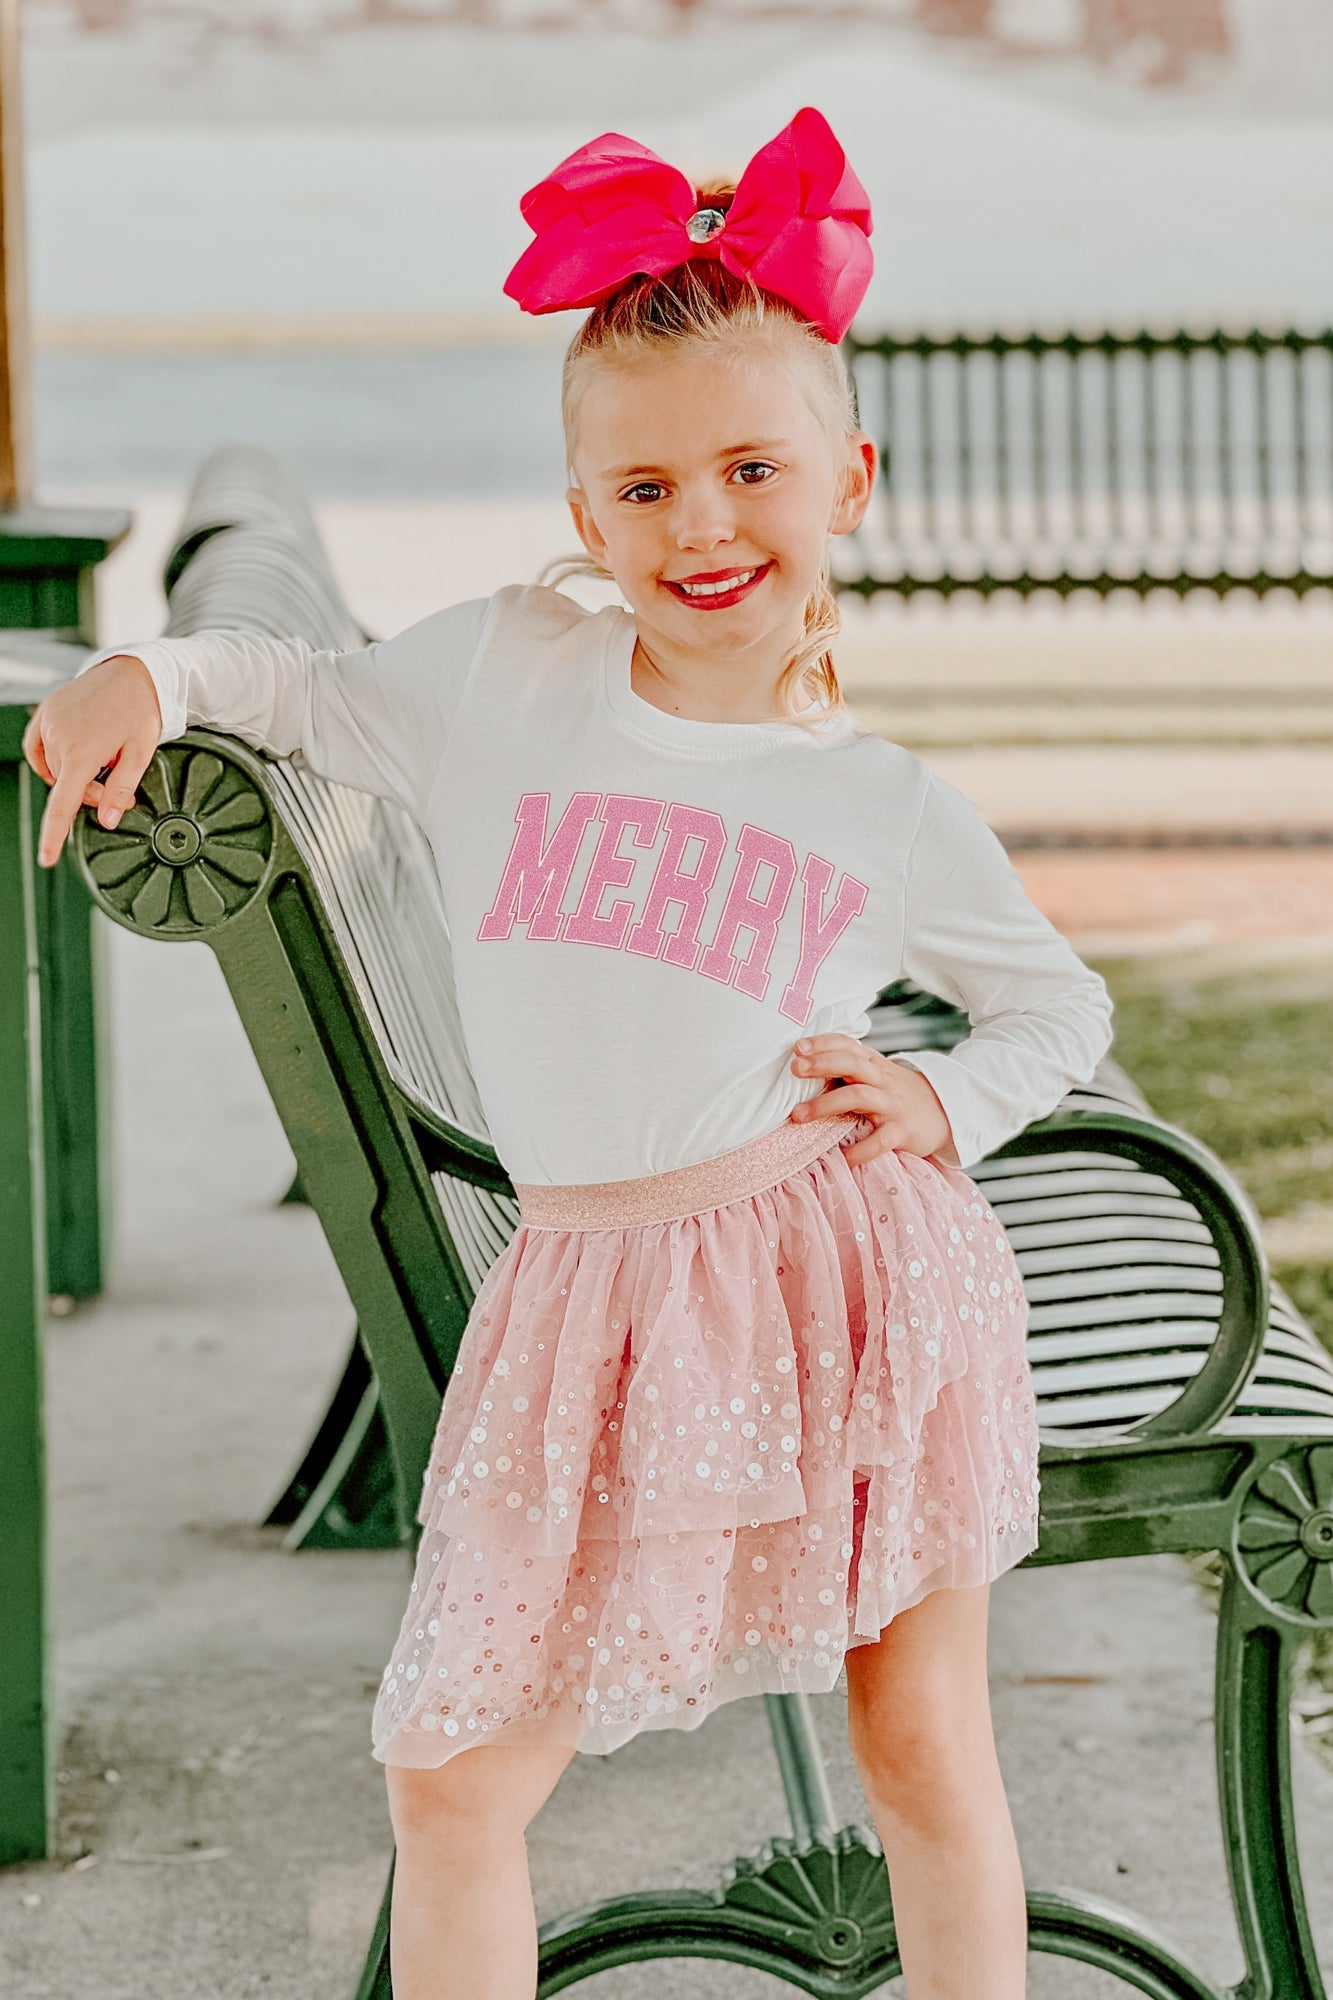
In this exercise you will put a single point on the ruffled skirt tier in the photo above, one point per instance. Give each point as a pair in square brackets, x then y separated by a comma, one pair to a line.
[707, 1432]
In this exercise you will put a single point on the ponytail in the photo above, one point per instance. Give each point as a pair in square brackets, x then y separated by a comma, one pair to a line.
[811, 666]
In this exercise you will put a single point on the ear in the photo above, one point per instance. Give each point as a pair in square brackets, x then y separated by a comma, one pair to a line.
[588, 532]
[858, 479]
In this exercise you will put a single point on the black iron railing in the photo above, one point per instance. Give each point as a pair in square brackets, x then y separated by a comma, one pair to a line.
[1095, 461]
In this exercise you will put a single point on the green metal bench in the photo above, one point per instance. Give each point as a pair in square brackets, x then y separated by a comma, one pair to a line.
[1184, 1404]
[1099, 462]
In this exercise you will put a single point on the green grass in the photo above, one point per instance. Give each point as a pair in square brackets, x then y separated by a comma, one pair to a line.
[1238, 1049]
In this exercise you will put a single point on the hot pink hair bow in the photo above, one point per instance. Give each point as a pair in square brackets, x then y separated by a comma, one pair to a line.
[798, 225]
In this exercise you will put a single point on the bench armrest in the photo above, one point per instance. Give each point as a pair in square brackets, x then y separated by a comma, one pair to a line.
[1232, 1224]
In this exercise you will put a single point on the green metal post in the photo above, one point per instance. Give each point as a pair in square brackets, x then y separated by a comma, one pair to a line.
[38, 1113]
[27, 1789]
[48, 560]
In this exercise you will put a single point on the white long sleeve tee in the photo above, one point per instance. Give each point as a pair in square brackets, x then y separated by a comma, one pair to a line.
[648, 911]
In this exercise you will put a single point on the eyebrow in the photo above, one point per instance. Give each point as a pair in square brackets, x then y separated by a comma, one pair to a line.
[728, 451]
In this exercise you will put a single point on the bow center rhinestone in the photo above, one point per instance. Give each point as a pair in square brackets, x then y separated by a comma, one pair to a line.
[705, 223]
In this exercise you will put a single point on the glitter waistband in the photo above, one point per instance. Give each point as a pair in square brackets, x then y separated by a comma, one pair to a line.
[749, 1169]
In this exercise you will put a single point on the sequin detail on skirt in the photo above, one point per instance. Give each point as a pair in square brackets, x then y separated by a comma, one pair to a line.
[686, 1459]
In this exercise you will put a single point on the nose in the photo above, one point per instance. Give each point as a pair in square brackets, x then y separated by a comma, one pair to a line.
[703, 520]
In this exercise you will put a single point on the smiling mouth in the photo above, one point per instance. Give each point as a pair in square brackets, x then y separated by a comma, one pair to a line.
[723, 591]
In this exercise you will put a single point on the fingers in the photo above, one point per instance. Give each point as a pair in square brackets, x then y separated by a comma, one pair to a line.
[120, 780]
[871, 1146]
[838, 1055]
[892, 1133]
[839, 1102]
[93, 791]
[822, 1044]
[91, 741]
[65, 800]
[120, 789]
[35, 750]
[110, 789]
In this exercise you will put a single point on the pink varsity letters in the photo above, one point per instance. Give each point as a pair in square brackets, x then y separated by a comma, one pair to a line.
[691, 842]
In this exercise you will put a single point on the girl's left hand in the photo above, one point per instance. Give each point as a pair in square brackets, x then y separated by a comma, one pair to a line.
[907, 1115]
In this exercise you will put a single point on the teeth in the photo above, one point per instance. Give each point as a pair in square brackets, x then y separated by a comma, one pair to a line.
[717, 589]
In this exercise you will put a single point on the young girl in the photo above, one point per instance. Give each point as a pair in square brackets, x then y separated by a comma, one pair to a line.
[747, 1396]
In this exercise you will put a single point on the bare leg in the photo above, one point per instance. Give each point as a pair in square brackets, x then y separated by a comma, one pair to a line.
[462, 1926]
[919, 1724]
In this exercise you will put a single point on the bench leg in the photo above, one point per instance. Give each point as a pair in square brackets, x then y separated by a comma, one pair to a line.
[805, 1782]
[341, 1495]
[27, 1780]
[1253, 1725]
[374, 1983]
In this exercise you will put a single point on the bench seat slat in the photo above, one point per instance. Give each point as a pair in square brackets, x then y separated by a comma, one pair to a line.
[1063, 1315]
[1121, 1340]
[1138, 1281]
[1125, 1258]
[1095, 1235]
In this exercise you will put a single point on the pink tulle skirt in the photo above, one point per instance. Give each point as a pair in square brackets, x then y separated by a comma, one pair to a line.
[708, 1431]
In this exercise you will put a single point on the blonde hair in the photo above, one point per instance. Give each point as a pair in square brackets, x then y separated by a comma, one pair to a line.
[705, 303]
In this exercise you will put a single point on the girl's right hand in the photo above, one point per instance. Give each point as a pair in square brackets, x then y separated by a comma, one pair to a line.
[91, 741]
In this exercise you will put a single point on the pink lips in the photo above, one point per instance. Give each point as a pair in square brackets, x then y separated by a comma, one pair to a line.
[717, 600]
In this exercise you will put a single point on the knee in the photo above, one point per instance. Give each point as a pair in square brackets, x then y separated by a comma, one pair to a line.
[479, 1802]
[458, 1807]
[924, 1769]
